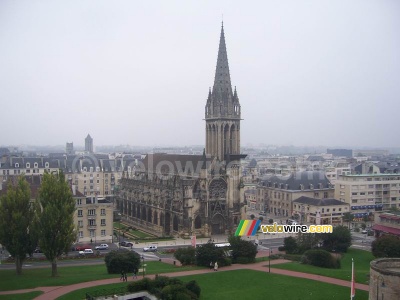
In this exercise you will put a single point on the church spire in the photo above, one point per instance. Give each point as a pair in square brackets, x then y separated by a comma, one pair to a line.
[222, 81]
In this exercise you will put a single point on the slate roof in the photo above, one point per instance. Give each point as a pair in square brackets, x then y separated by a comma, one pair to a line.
[307, 179]
[319, 202]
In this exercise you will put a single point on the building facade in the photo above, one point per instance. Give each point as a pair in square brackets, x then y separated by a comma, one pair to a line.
[367, 193]
[89, 144]
[172, 194]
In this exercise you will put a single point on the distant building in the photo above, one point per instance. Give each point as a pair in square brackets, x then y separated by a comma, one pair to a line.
[387, 223]
[340, 152]
[319, 211]
[69, 148]
[368, 192]
[378, 152]
[89, 144]
[280, 192]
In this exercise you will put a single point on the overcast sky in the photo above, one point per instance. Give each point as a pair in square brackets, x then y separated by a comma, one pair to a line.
[138, 72]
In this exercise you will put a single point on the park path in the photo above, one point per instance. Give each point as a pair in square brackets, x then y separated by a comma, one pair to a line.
[50, 293]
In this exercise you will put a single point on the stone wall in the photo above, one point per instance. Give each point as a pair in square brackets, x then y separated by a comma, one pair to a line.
[384, 281]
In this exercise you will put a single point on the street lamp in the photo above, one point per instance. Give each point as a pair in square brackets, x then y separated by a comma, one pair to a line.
[119, 230]
[377, 286]
[269, 261]
[143, 265]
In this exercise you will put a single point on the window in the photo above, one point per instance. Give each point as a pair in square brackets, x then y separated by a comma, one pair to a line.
[79, 202]
[340, 209]
[98, 175]
[316, 195]
[91, 212]
[91, 233]
[80, 214]
[334, 209]
[103, 233]
[354, 194]
[353, 201]
[98, 181]
[92, 222]
[362, 194]
[81, 234]
[103, 222]
[28, 165]
[103, 211]
[370, 186]
[80, 223]
[327, 210]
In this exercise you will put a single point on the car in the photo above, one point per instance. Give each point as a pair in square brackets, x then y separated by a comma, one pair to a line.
[38, 250]
[80, 247]
[364, 231]
[126, 244]
[262, 213]
[102, 247]
[86, 252]
[152, 248]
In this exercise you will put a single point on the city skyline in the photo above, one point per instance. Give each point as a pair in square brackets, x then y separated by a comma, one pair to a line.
[307, 73]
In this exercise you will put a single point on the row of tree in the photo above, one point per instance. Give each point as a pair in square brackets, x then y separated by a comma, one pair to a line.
[47, 222]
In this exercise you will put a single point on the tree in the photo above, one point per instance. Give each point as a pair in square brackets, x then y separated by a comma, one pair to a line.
[186, 256]
[261, 218]
[339, 240]
[207, 253]
[386, 246]
[290, 245]
[55, 218]
[117, 261]
[16, 220]
[347, 217]
[252, 216]
[307, 241]
[242, 251]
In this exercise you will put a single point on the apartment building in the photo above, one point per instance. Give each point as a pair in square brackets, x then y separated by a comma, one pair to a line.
[368, 192]
[387, 223]
[319, 211]
[94, 219]
[279, 192]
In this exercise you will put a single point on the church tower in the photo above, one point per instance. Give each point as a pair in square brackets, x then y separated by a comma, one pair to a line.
[222, 111]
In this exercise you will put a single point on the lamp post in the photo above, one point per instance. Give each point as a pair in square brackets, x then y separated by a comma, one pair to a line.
[143, 265]
[269, 261]
[377, 286]
[119, 230]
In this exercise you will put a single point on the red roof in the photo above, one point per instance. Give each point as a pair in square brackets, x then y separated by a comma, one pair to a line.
[386, 229]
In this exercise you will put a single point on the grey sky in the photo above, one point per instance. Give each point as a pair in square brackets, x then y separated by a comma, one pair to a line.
[138, 72]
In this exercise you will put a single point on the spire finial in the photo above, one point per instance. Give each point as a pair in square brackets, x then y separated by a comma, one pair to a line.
[222, 21]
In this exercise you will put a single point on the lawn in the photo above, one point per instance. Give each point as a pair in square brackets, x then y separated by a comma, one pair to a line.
[250, 284]
[24, 296]
[361, 265]
[32, 278]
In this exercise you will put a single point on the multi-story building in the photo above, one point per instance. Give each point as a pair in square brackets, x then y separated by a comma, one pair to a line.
[280, 192]
[319, 211]
[368, 192]
[89, 144]
[69, 148]
[94, 218]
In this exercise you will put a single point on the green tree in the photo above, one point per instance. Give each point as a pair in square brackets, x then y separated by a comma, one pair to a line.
[347, 217]
[386, 246]
[290, 245]
[207, 253]
[307, 241]
[186, 256]
[339, 240]
[252, 216]
[16, 220]
[117, 261]
[242, 251]
[55, 218]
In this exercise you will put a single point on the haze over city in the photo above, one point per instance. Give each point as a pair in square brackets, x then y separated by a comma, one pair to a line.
[127, 72]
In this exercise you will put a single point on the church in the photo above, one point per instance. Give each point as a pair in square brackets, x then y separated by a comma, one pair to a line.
[202, 195]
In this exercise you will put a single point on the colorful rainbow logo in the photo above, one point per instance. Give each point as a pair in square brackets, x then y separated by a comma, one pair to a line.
[247, 227]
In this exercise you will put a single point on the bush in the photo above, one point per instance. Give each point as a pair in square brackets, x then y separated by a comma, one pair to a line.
[193, 287]
[339, 240]
[207, 253]
[290, 245]
[186, 256]
[117, 261]
[386, 246]
[320, 258]
[243, 252]
[293, 257]
[281, 248]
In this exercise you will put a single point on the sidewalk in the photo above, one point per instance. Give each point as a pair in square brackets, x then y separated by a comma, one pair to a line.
[57, 291]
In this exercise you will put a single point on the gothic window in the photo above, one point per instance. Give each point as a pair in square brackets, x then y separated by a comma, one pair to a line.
[176, 223]
[217, 189]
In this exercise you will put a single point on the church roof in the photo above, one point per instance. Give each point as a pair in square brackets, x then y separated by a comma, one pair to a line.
[174, 163]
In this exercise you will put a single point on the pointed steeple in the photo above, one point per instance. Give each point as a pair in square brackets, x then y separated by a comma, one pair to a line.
[222, 80]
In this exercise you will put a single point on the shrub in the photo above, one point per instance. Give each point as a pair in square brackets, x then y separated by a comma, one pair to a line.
[186, 256]
[290, 245]
[281, 248]
[117, 261]
[293, 257]
[193, 287]
[243, 252]
[386, 246]
[320, 258]
[207, 253]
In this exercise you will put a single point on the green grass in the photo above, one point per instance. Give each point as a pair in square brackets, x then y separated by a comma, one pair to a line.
[24, 296]
[361, 265]
[250, 284]
[39, 277]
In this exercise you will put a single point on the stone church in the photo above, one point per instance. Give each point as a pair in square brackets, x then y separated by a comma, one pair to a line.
[170, 195]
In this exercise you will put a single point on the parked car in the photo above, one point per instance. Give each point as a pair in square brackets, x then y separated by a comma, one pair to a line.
[86, 252]
[80, 247]
[152, 248]
[126, 244]
[102, 247]
[37, 250]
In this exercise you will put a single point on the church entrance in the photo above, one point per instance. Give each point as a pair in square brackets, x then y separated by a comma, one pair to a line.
[218, 224]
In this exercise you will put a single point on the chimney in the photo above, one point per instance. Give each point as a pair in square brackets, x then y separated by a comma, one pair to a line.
[73, 189]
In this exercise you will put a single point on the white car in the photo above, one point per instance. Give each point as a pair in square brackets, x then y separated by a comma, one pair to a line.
[150, 249]
[86, 252]
[102, 247]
